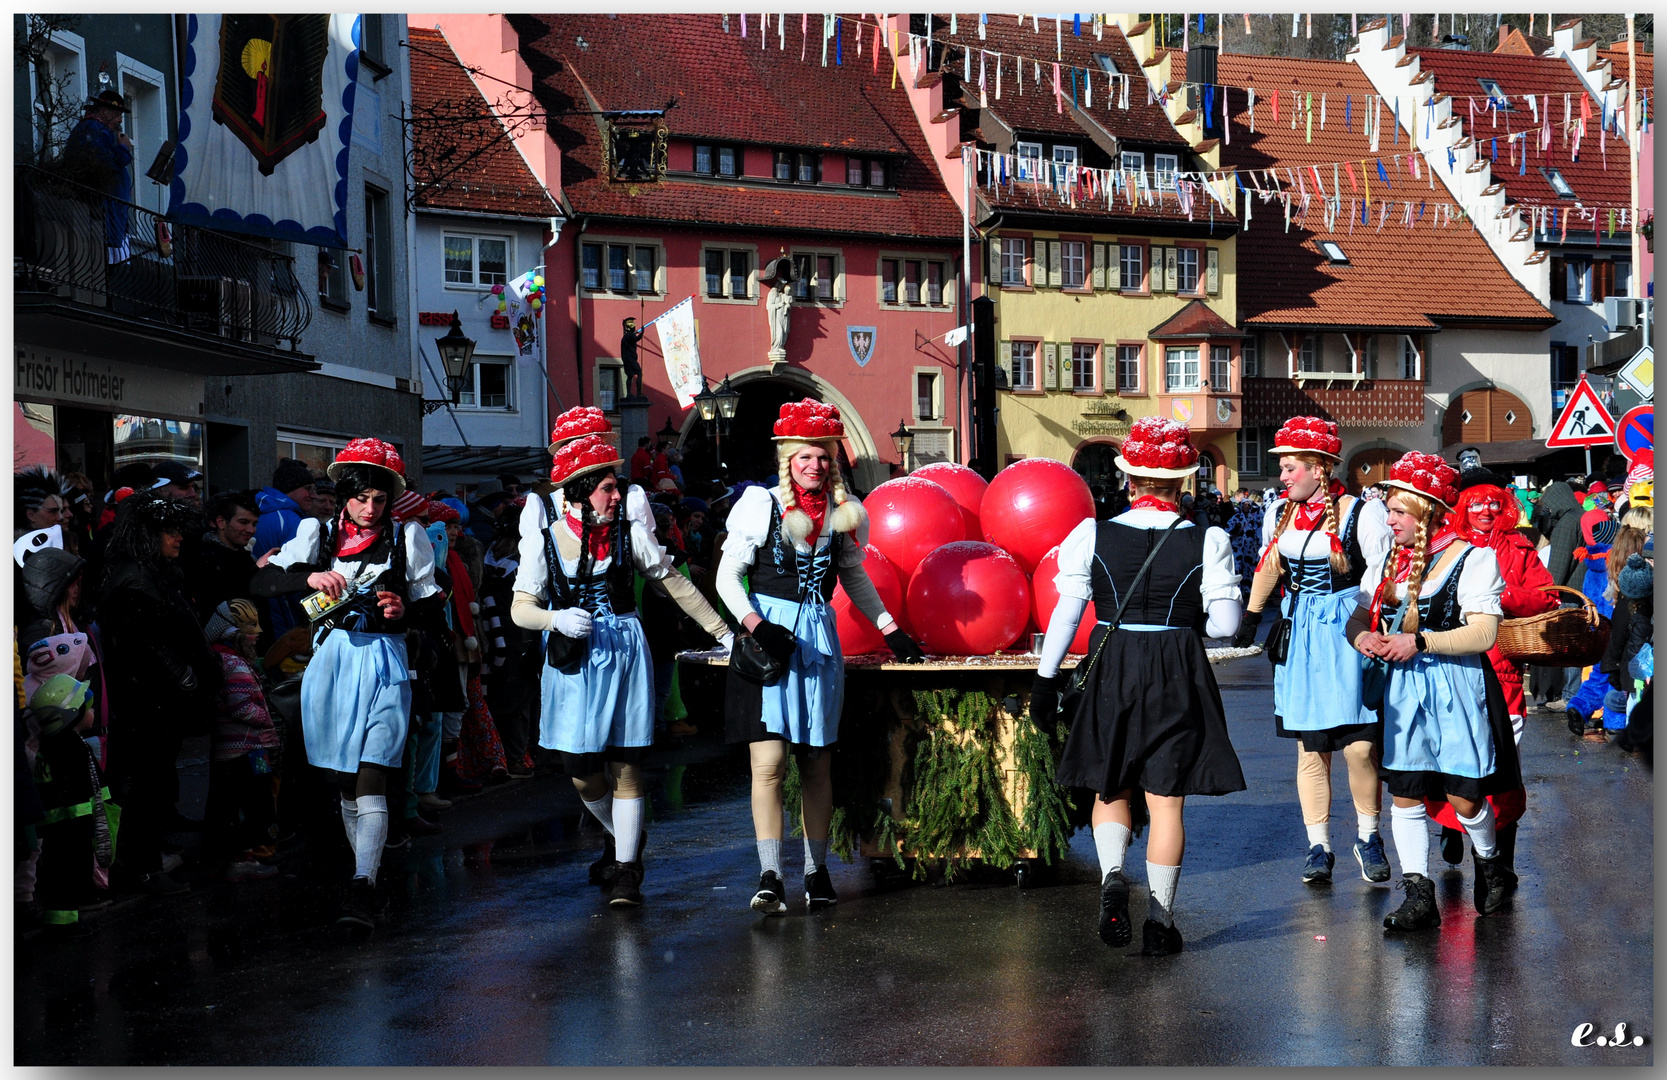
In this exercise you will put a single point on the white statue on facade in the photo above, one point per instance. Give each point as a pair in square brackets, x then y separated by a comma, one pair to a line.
[778, 306]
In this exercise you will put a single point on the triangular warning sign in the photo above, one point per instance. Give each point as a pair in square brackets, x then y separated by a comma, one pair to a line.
[1584, 422]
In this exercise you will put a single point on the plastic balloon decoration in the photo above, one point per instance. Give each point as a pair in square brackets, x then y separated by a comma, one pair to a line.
[856, 634]
[1031, 506]
[965, 485]
[977, 596]
[909, 518]
[1044, 597]
[529, 287]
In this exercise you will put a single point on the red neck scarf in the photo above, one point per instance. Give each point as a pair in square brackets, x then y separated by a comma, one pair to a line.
[601, 546]
[1152, 502]
[815, 506]
[354, 539]
[1311, 513]
[1401, 570]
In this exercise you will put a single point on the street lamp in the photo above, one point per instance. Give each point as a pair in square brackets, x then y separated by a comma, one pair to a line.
[729, 399]
[667, 433]
[707, 402]
[903, 439]
[456, 351]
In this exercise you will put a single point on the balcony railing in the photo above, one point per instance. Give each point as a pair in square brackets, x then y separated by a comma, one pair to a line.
[78, 244]
[1366, 403]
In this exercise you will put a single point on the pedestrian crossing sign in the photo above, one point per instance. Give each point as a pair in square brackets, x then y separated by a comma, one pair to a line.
[1584, 422]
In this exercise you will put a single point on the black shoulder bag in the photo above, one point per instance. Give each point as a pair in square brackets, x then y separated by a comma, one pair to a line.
[1077, 684]
[565, 654]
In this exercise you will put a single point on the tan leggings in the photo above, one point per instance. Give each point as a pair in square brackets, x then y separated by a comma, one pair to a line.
[626, 782]
[1314, 781]
[769, 771]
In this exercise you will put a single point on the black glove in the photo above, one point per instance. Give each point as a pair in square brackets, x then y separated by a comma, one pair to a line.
[1044, 701]
[1246, 636]
[775, 639]
[903, 647]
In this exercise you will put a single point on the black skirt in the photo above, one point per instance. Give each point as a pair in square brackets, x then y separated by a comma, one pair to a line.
[597, 761]
[1507, 766]
[744, 716]
[1151, 719]
[1330, 740]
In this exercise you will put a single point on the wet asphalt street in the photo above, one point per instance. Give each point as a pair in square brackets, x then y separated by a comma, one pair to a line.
[497, 952]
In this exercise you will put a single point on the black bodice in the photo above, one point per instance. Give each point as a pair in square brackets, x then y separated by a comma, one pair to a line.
[1313, 573]
[610, 591]
[1439, 610]
[1170, 595]
[779, 570]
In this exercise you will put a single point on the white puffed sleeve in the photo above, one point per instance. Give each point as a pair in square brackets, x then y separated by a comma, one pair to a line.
[302, 548]
[1270, 521]
[1220, 579]
[533, 575]
[1480, 584]
[651, 559]
[747, 525]
[1076, 561]
[637, 510]
[419, 563]
[1372, 527]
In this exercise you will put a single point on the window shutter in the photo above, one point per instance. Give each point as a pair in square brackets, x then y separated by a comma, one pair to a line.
[995, 261]
[1559, 279]
[1050, 366]
[1603, 280]
[1099, 266]
[1212, 272]
[1154, 270]
[1114, 266]
[1171, 270]
[1056, 274]
[1005, 358]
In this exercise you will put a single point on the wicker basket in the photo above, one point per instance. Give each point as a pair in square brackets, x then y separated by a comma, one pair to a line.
[1566, 637]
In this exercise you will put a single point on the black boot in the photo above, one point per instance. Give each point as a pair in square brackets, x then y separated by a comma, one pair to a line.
[1158, 939]
[1418, 911]
[1115, 928]
[1507, 838]
[1452, 846]
[1494, 882]
[626, 891]
[601, 871]
[1577, 722]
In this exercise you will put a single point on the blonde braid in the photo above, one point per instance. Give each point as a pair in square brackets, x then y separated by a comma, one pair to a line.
[784, 473]
[1340, 557]
[1420, 558]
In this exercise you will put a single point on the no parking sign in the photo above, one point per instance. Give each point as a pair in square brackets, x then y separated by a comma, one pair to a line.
[1636, 431]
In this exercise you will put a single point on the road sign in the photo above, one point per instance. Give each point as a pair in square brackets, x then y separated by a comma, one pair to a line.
[1639, 373]
[1636, 431]
[1585, 422]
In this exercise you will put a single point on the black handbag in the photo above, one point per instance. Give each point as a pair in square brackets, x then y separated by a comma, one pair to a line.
[1278, 645]
[566, 654]
[749, 660]
[1071, 697]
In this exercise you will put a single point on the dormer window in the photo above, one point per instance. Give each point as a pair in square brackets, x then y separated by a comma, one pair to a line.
[1132, 161]
[1496, 96]
[1558, 184]
[729, 161]
[867, 172]
[1064, 155]
[784, 165]
[716, 160]
[1333, 253]
[1165, 167]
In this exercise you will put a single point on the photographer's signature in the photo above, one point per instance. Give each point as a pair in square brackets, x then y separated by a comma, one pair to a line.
[1583, 1036]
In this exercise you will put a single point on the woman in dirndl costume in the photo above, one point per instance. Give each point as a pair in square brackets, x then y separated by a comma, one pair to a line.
[1319, 543]
[576, 585]
[356, 692]
[786, 548]
[1432, 612]
[1150, 717]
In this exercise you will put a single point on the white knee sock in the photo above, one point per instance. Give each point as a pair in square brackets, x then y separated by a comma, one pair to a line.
[373, 833]
[769, 856]
[627, 815]
[1368, 825]
[350, 822]
[1162, 880]
[816, 855]
[603, 810]
[1320, 834]
[1481, 829]
[1410, 827]
[1516, 728]
[1111, 841]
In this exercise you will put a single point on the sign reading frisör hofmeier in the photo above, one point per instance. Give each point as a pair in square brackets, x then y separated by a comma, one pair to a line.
[70, 379]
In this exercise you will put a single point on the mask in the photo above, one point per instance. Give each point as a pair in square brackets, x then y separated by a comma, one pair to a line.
[437, 537]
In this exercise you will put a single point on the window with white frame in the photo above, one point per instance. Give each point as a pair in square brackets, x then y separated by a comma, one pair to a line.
[486, 385]
[1073, 264]
[1186, 269]
[332, 278]
[1013, 260]
[1164, 167]
[1221, 369]
[624, 269]
[58, 87]
[608, 387]
[1409, 359]
[1308, 353]
[317, 451]
[1132, 161]
[1064, 155]
[1250, 451]
[1180, 368]
[1250, 356]
[1027, 157]
[1131, 267]
[728, 274]
[815, 277]
[476, 261]
[1128, 369]
[146, 125]
[1024, 365]
[379, 255]
[1083, 364]
[926, 396]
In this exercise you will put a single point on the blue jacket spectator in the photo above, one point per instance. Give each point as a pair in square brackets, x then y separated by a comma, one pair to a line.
[282, 506]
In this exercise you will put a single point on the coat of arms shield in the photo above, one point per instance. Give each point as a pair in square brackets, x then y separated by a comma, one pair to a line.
[861, 341]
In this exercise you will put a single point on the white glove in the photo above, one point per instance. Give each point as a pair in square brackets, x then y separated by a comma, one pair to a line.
[727, 643]
[573, 622]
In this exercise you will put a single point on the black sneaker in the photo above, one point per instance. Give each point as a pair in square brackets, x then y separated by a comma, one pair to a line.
[625, 891]
[1374, 865]
[1495, 881]
[160, 884]
[359, 905]
[602, 870]
[1115, 928]
[1316, 869]
[1159, 940]
[1452, 846]
[1418, 911]
[819, 890]
[1577, 722]
[771, 897]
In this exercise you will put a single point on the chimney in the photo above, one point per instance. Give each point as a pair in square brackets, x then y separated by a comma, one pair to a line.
[1201, 69]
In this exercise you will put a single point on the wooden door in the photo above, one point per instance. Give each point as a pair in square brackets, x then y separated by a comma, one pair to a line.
[1371, 467]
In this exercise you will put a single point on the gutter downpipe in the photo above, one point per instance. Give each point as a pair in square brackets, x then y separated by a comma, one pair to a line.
[579, 305]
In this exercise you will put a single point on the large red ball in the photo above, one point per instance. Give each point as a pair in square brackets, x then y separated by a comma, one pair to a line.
[965, 485]
[1032, 505]
[1044, 598]
[856, 634]
[969, 599]
[908, 518]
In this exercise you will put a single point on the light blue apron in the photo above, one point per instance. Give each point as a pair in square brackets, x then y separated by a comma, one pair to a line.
[356, 701]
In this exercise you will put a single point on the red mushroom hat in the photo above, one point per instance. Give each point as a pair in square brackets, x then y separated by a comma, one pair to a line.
[1158, 448]
[576, 423]
[1427, 475]
[1309, 435]
[376, 453]
[591, 453]
[439, 511]
[808, 421]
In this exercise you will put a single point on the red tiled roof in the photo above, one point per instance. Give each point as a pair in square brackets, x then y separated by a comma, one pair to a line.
[1035, 110]
[1396, 278]
[1456, 72]
[1197, 319]
[728, 88]
[1520, 44]
[1616, 55]
[498, 181]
